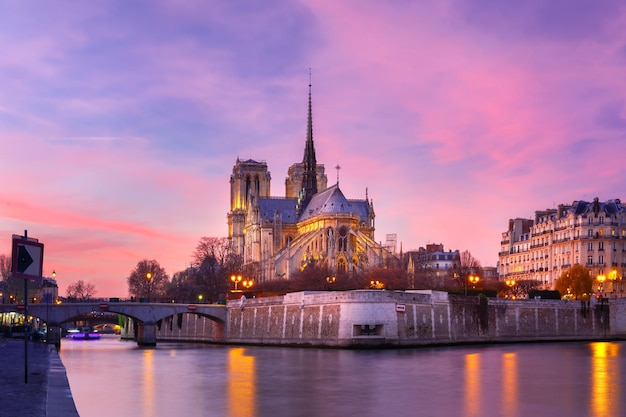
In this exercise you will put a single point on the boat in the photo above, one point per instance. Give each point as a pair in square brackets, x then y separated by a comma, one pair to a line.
[82, 334]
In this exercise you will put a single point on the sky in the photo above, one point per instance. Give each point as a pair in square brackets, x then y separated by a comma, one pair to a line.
[120, 122]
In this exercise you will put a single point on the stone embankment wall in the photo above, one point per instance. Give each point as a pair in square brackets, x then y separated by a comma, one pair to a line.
[374, 317]
[398, 318]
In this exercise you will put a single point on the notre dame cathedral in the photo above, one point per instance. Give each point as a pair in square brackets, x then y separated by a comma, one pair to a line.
[312, 224]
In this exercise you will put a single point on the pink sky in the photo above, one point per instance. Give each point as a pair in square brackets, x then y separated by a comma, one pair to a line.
[120, 123]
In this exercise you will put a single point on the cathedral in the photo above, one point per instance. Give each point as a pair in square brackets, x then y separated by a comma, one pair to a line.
[312, 225]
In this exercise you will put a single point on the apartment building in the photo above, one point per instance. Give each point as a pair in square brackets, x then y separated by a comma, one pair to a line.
[589, 233]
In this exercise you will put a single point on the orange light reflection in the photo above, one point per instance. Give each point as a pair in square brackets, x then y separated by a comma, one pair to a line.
[472, 384]
[241, 383]
[509, 384]
[605, 379]
[148, 383]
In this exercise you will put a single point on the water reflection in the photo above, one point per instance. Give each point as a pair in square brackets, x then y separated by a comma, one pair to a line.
[605, 379]
[148, 383]
[572, 379]
[241, 383]
[472, 384]
[509, 384]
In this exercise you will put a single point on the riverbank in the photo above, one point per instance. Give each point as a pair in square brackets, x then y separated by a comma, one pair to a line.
[47, 392]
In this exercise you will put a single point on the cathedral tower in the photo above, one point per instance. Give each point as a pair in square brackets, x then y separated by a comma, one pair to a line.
[249, 179]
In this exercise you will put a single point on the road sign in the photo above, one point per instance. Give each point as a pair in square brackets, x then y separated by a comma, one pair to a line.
[400, 307]
[20, 307]
[27, 258]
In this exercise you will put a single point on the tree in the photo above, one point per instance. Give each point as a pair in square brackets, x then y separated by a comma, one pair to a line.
[215, 247]
[575, 281]
[148, 280]
[81, 290]
[468, 265]
[211, 274]
[13, 287]
[5, 267]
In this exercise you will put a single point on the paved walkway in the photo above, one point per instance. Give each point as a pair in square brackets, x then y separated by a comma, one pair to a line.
[47, 391]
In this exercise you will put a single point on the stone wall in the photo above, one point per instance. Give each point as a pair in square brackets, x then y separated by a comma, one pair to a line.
[374, 317]
[398, 318]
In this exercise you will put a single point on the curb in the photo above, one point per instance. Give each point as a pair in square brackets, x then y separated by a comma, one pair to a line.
[59, 401]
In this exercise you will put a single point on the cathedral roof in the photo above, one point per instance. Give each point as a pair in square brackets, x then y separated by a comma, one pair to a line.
[285, 206]
[331, 201]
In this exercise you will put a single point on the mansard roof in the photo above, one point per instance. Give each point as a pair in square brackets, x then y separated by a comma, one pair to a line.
[332, 201]
[269, 206]
[609, 207]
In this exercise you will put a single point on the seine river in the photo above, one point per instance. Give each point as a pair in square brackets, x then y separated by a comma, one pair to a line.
[109, 378]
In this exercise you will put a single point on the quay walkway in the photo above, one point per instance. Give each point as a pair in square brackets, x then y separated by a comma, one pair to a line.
[47, 392]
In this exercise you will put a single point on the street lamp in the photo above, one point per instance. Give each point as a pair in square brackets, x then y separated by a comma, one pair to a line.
[149, 281]
[376, 284]
[247, 283]
[600, 278]
[474, 280]
[236, 279]
[510, 282]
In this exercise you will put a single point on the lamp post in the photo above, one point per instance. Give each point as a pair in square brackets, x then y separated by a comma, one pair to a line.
[236, 279]
[247, 283]
[601, 278]
[510, 282]
[149, 281]
[474, 280]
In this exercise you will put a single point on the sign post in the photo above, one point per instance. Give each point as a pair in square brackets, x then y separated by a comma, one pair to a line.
[27, 263]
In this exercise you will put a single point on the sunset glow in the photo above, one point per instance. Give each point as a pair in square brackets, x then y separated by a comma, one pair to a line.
[120, 122]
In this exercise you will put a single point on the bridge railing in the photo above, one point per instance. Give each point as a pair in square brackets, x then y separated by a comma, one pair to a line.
[123, 300]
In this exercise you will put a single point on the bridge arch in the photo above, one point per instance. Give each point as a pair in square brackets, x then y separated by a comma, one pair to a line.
[145, 315]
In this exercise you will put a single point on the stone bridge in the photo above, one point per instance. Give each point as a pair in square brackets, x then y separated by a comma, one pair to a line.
[146, 315]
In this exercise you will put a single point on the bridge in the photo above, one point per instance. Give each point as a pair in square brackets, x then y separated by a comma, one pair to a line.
[146, 315]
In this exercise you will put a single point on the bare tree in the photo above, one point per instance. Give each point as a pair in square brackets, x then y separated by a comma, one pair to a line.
[81, 290]
[5, 267]
[13, 287]
[211, 247]
[148, 279]
[469, 262]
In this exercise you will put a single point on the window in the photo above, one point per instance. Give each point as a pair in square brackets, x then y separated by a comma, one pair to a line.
[590, 220]
[601, 260]
[601, 220]
[600, 245]
[343, 239]
[341, 265]
[590, 246]
[589, 260]
[589, 233]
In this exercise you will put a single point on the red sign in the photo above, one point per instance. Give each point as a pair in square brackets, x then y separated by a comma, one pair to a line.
[104, 306]
[20, 307]
[192, 307]
[401, 308]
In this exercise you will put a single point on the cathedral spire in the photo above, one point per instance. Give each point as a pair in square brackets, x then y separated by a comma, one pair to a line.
[309, 177]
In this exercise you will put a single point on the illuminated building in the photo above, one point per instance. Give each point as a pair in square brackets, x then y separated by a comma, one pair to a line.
[592, 234]
[312, 224]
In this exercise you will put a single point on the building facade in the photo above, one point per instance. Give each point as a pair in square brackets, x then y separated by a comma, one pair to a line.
[312, 225]
[434, 260]
[592, 234]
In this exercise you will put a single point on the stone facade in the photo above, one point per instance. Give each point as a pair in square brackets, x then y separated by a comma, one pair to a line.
[372, 318]
[592, 234]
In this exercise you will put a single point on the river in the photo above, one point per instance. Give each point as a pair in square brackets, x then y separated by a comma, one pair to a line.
[109, 377]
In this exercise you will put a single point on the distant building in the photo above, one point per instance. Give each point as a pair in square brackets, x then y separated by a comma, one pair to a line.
[49, 290]
[312, 225]
[592, 234]
[432, 262]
